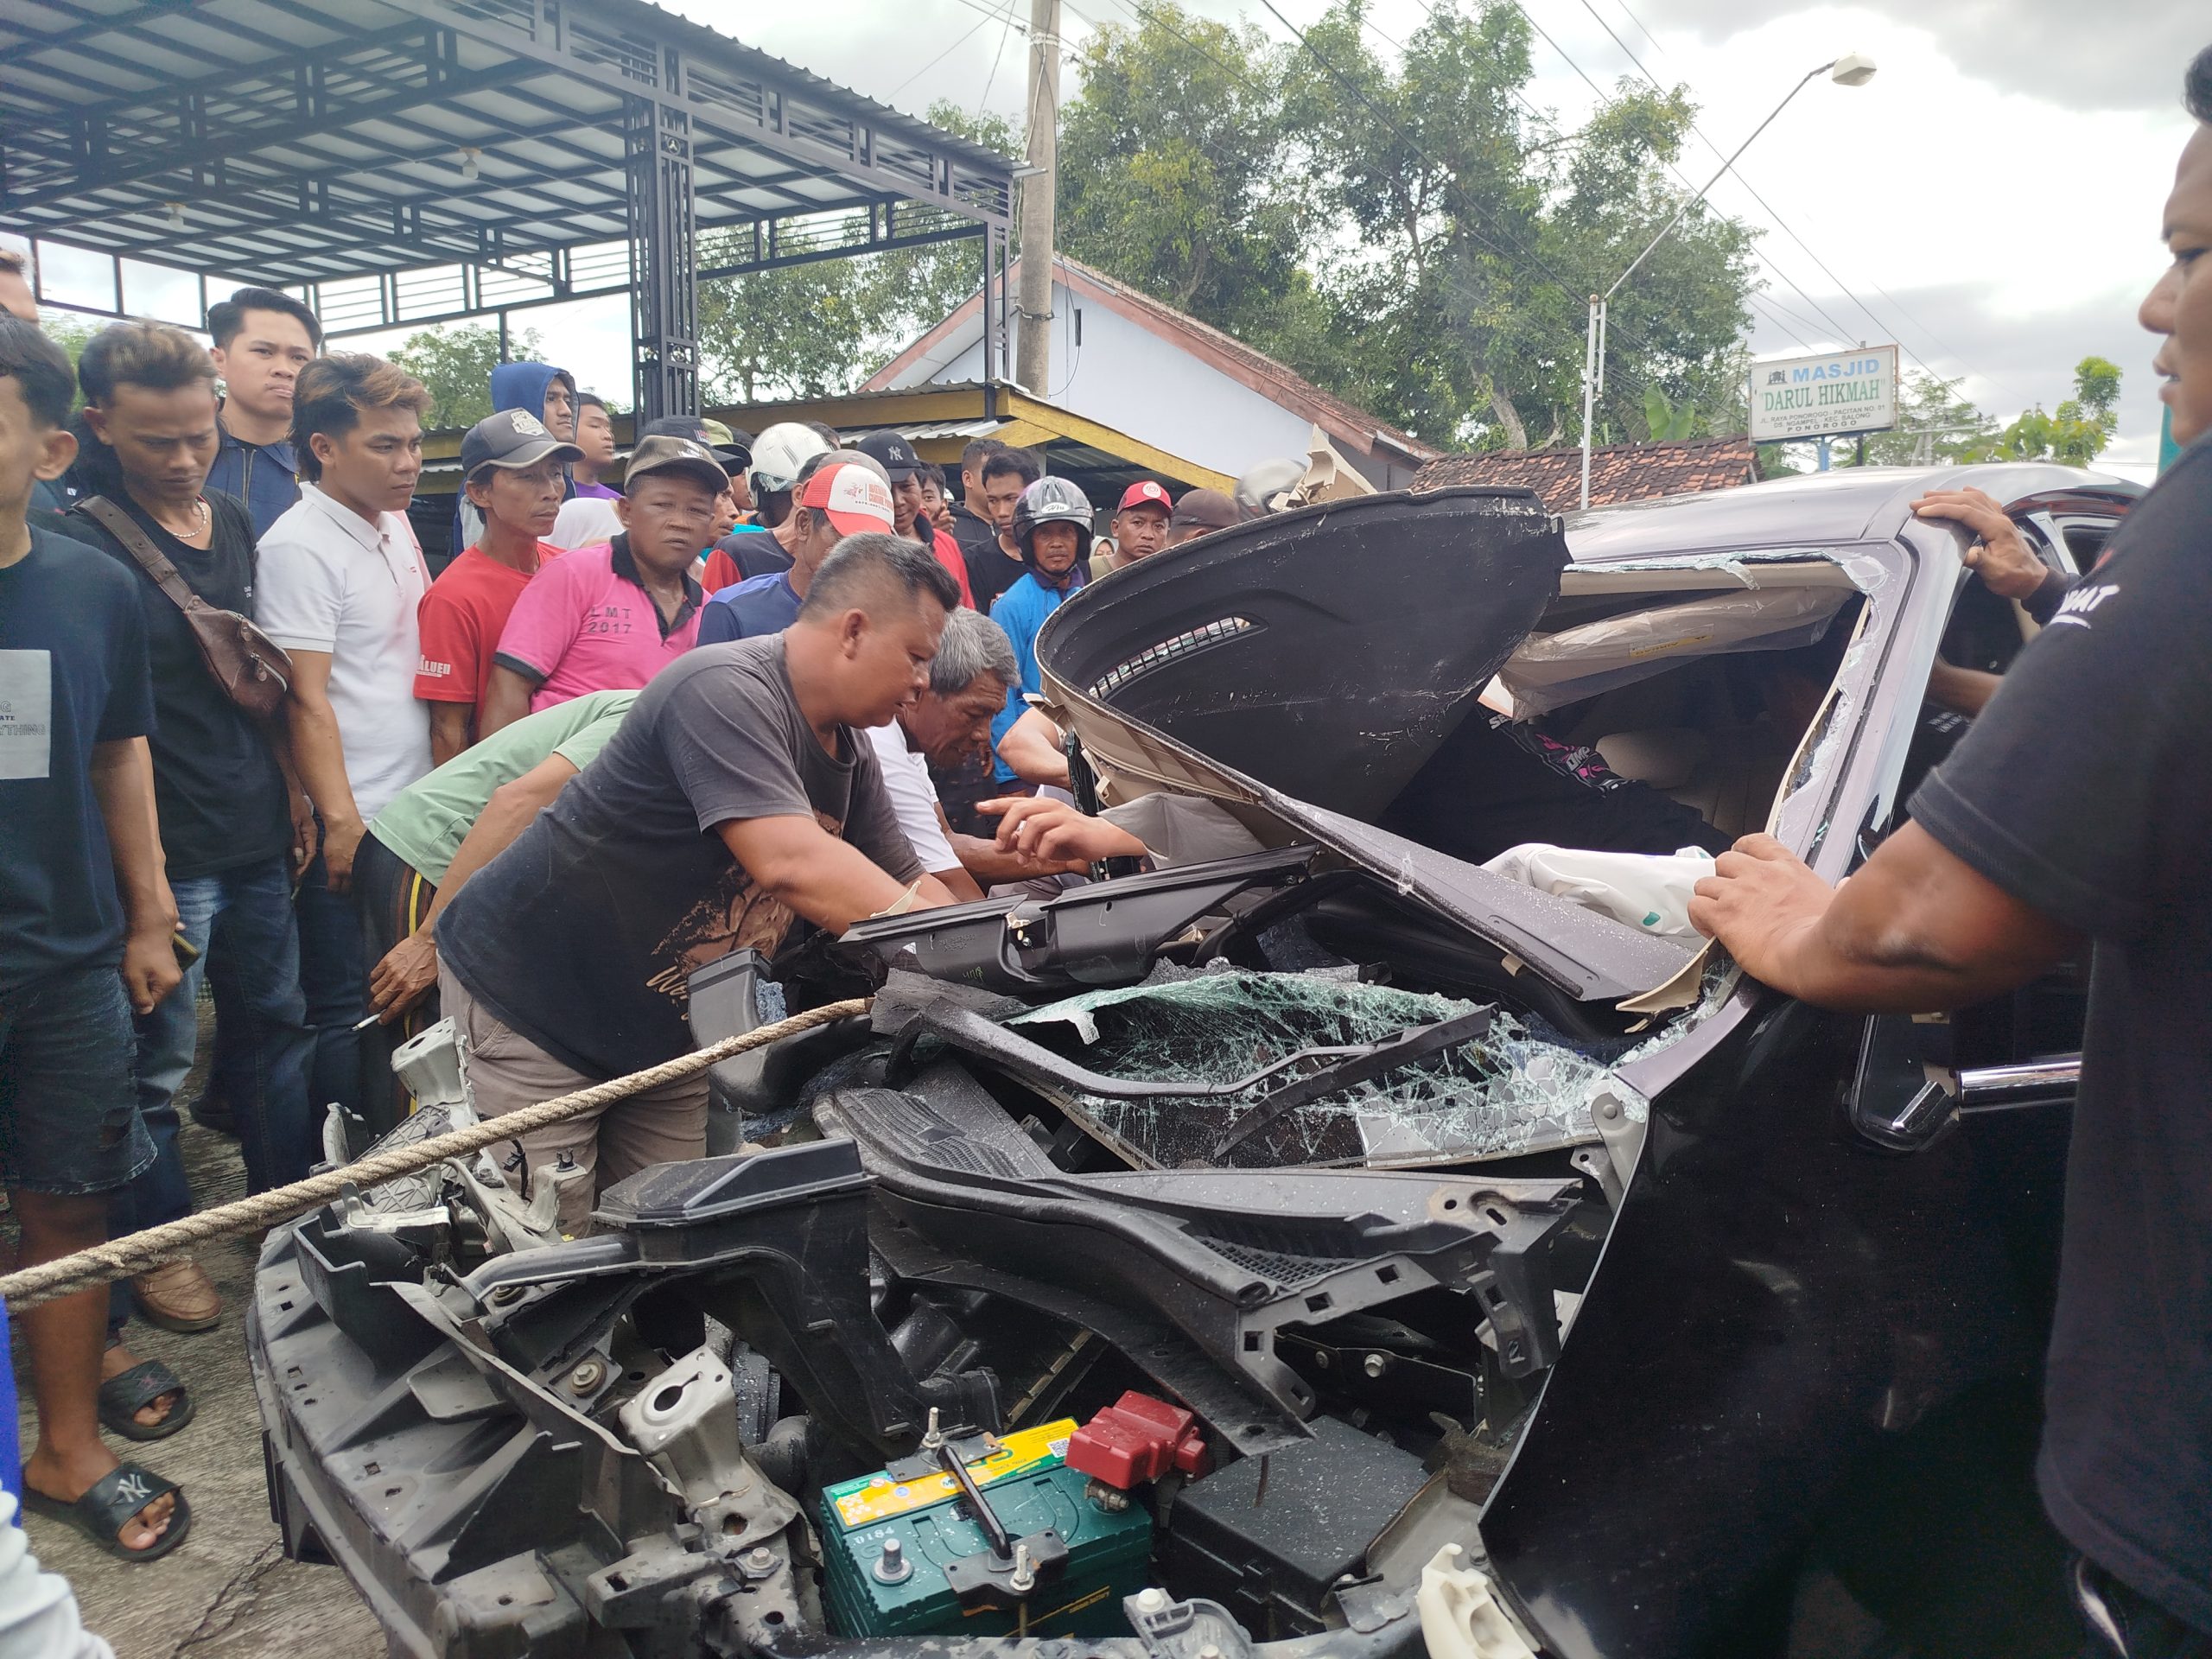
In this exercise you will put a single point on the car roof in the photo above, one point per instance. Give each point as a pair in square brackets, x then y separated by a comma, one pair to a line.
[1851, 503]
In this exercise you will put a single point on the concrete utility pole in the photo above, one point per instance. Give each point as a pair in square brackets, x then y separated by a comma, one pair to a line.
[1032, 354]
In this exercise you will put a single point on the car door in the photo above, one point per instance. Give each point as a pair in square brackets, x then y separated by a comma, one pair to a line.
[2003, 1071]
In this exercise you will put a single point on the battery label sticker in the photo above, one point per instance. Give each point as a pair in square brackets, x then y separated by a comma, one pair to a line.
[878, 1497]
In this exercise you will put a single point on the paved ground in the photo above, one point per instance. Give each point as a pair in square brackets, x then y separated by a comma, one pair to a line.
[226, 1592]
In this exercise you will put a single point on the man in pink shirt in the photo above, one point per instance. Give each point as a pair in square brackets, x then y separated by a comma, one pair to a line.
[608, 617]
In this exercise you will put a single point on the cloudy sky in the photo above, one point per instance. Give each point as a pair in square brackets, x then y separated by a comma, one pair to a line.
[1990, 201]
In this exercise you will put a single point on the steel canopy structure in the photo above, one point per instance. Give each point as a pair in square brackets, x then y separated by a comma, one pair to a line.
[411, 161]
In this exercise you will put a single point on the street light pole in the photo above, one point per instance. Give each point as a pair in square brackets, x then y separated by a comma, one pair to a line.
[1850, 70]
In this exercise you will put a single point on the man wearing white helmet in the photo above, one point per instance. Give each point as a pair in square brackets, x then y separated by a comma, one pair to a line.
[779, 455]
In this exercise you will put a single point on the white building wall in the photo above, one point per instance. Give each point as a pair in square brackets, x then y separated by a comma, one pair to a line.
[1125, 377]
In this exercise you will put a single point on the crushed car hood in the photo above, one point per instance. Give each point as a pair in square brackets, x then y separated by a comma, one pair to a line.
[1325, 651]
[1300, 669]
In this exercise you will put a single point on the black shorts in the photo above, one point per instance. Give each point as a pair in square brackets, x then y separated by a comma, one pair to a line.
[69, 1121]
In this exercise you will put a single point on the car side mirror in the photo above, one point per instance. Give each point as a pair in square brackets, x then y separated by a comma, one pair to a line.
[1897, 1102]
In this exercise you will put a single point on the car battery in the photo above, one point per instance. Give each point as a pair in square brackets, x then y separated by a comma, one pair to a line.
[888, 1543]
[1270, 1537]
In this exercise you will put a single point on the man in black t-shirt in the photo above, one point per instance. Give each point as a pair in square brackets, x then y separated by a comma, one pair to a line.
[2038, 833]
[81, 896]
[740, 797]
[996, 564]
[972, 525]
[227, 825]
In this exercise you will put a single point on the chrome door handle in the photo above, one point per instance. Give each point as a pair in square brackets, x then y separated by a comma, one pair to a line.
[1992, 1088]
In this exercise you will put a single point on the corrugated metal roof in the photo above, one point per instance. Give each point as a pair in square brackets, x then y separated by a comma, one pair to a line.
[307, 141]
[977, 427]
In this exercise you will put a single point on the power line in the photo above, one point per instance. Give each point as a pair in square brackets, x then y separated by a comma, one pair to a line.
[1777, 317]
[1142, 13]
[1842, 335]
[1000, 53]
[1782, 225]
[1784, 312]
[1638, 21]
[988, 18]
[991, 14]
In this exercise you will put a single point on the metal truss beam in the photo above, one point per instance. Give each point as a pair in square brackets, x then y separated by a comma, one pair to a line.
[558, 41]
[665, 240]
[214, 152]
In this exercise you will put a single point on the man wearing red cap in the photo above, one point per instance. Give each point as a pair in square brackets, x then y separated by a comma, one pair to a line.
[842, 499]
[1140, 526]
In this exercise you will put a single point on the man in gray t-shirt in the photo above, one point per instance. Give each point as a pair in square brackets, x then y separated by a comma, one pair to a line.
[740, 795]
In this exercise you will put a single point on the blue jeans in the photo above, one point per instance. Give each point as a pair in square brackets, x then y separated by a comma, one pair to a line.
[334, 974]
[278, 1131]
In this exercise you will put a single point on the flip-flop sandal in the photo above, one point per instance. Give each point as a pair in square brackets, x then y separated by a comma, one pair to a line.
[108, 1506]
[130, 1391]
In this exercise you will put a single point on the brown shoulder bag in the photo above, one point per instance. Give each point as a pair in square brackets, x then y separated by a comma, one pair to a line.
[253, 669]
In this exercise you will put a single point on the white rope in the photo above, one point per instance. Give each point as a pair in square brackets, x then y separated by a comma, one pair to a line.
[137, 1253]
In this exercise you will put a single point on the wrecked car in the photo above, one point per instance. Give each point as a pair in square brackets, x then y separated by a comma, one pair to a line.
[1316, 1242]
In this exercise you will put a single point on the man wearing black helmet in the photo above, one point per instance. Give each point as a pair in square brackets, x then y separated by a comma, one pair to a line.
[1052, 526]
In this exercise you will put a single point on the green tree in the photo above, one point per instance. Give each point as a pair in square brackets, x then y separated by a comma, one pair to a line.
[1937, 425]
[814, 330]
[1408, 234]
[455, 364]
[1177, 175]
[1665, 423]
[71, 334]
[2073, 434]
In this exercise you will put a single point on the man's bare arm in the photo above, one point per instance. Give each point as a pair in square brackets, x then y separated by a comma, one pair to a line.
[1030, 749]
[297, 803]
[122, 777]
[506, 700]
[828, 881]
[448, 730]
[956, 881]
[410, 968]
[1962, 690]
[1917, 931]
[320, 754]
[1056, 833]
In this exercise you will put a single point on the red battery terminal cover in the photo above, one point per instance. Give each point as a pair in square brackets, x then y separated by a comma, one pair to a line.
[1138, 1438]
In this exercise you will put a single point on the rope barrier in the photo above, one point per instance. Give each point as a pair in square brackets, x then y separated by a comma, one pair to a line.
[137, 1253]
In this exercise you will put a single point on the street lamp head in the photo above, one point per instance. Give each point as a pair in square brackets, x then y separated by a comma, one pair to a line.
[1851, 69]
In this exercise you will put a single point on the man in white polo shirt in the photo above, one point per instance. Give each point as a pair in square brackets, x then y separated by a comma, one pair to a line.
[341, 577]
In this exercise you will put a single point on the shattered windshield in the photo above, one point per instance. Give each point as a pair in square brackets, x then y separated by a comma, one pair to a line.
[1505, 1090]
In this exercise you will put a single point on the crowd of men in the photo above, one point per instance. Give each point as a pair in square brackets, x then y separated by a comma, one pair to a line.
[708, 692]
[730, 691]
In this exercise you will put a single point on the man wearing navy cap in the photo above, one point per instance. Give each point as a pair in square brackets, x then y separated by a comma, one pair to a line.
[903, 469]
[511, 469]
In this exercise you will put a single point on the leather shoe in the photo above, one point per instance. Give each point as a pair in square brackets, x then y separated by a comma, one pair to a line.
[178, 1297]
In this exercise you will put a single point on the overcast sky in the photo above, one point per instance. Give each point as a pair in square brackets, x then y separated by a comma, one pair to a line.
[1992, 195]
[1990, 201]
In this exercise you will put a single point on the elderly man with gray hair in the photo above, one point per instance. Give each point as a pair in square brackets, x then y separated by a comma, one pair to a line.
[943, 727]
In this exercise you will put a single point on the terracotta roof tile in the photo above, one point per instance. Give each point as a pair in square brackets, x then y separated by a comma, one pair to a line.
[1618, 472]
